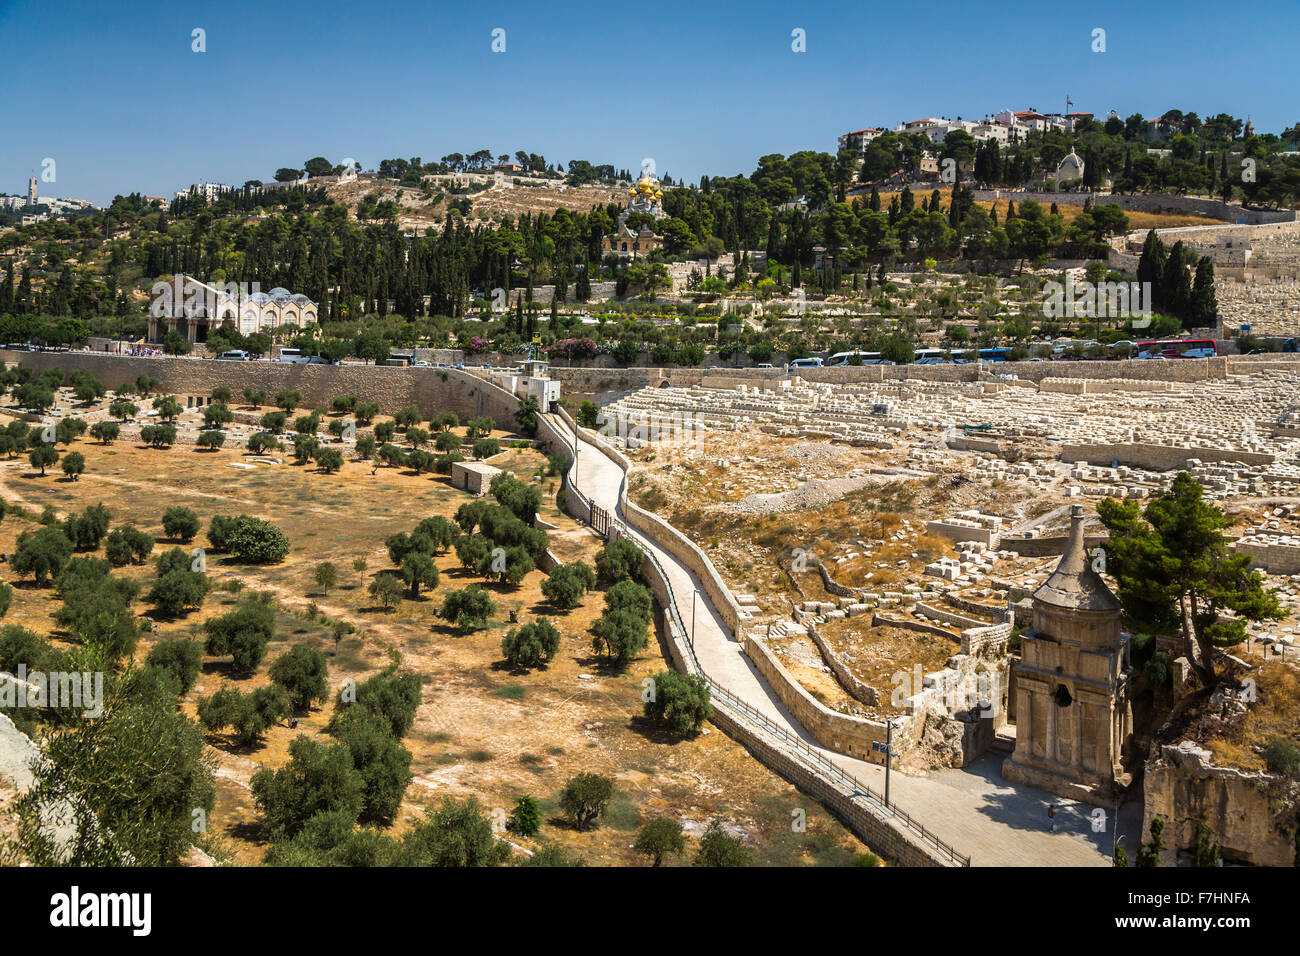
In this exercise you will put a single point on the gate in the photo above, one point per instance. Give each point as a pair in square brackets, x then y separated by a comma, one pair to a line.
[600, 520]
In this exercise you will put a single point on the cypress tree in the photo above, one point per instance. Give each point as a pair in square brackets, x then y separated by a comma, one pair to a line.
[1151, 268]
[1177, 284]
[1205, 304]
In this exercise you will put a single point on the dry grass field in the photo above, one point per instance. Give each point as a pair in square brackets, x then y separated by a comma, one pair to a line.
[481, 729]
[1137, 220]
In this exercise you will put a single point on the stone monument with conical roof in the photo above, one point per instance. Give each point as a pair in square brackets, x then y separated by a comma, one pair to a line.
[1073, 717]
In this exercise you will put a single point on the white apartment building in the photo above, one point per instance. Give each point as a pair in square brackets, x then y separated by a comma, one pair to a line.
[209, 191]
[858, 139]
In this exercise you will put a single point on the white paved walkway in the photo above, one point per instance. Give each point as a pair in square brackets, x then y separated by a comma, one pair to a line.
[994, 822]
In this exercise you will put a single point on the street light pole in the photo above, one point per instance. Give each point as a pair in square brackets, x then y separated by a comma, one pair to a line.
[695, 593]
[889, 753]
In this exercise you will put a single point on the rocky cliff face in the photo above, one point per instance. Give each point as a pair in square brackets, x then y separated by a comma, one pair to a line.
[1254, 816]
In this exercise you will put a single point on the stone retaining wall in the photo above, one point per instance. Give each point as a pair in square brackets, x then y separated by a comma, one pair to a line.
[948, 617]
[432, 390]
[861, 692]
[842, 733]
[1157, 457]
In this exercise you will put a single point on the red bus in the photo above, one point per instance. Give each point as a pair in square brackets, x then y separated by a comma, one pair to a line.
[1176, 348]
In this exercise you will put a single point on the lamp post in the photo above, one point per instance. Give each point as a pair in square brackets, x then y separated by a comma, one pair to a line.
[695, 593]
[887, 748]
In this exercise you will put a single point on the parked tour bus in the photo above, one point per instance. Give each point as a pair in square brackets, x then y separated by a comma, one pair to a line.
[1178, 348]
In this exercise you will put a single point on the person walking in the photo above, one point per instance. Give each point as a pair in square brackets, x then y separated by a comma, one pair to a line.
[1051, 818]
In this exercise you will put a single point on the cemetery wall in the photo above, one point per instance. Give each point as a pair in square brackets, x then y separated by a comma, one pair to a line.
[1157, 457]
[1153, 203]
[432, 390]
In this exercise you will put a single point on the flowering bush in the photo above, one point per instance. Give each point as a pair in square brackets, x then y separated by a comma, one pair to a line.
[575, 348]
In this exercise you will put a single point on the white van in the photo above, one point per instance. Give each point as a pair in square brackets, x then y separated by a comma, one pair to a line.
[294, 356]
[805, 363]
[235, 355]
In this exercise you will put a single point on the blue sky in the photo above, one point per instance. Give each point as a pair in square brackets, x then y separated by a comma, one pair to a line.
[119, 100]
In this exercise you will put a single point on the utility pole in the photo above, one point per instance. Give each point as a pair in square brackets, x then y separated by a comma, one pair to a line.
[695, 593]
[887, 748]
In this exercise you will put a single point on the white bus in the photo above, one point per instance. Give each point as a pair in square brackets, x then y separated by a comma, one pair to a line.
[852, 358]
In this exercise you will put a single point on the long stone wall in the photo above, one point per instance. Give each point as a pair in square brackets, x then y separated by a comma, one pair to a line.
[1153, 203]
[1157, 457]
[432, 390]
[843, 733]
[860, 691]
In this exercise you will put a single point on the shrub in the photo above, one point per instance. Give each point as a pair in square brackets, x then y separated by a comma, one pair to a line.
[180, 658]
[720, 848]
[680, 702]
[302, 672]
[21, 646]
[585, 797]
[1282, 755]
[531, 645]
[180, 523]
[526, 817]
[41, 553]
[468, 609]
[619, 560]
[243, 634]
[127, 545]
[486, 447]
[178, 591]
[255, 541]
